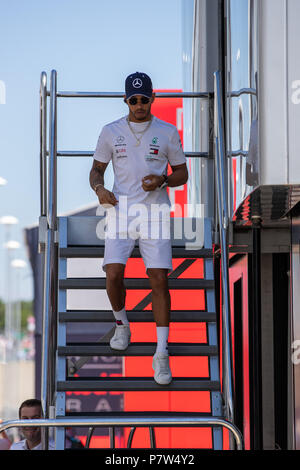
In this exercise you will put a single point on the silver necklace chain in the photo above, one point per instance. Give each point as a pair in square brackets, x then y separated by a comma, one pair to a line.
[138, 139]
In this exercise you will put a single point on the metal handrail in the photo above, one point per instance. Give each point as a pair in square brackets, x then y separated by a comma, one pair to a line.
[50, 256]
[238, 153]
[90, 153]
[151, 435]
[130, 437]
[78, 94]
[242, 91]
[223, 216]
[89, 437]
[50, 277]
[96, 94]
[187, 421]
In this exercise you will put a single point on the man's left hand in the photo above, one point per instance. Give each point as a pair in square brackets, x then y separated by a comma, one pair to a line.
[151, 182]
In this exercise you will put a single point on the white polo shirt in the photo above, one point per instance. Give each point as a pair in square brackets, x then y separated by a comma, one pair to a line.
[22, 445]
[159, 145]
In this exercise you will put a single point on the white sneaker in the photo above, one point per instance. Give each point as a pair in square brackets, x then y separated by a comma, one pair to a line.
[161, 367]
[121, 338]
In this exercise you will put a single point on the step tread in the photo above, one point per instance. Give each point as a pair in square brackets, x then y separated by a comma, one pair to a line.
[136, 349]
[134, 283]
[136, 384]
[134, 414]
[152, 416]
[98, 251]
[135, 316]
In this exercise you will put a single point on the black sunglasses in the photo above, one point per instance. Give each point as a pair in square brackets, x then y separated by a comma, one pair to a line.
[133, 101]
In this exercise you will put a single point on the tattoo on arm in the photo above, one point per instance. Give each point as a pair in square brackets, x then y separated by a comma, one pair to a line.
[97, 173]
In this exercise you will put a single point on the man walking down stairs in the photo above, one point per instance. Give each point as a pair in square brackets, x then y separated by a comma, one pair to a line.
[140, 146]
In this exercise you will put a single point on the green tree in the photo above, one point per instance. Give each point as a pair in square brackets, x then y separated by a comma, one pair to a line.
[2, 315]
[26, 311]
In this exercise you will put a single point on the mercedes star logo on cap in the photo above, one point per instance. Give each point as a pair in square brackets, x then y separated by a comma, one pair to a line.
[137, 83]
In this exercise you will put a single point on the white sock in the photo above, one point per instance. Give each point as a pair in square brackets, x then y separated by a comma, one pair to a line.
[162, 333]
[121, 317]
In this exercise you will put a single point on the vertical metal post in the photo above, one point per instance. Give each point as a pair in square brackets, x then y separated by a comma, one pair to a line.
[52, 201]
[43, 144]
[45, 344]
[111, 431]
[61, 365]
[216, 400]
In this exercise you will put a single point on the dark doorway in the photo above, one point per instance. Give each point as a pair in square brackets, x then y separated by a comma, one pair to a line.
[238, 354]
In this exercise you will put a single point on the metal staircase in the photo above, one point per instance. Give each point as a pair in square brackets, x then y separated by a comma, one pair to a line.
[72, 237]
[68, 382]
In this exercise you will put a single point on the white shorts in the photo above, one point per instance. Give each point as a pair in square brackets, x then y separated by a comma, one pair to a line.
[153, 240]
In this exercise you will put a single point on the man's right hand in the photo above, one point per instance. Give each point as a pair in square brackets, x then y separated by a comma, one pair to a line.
[105, 197]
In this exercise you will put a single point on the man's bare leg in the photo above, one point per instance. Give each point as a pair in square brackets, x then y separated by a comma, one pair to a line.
[161, 301]
[161, 304]
[116, 293]
[115, 285]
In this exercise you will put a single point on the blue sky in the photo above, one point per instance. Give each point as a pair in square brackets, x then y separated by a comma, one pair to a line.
[93, 45]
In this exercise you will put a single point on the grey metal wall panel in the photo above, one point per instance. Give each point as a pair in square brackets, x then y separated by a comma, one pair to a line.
[293, 78]
[279, 91]
[201, 54]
